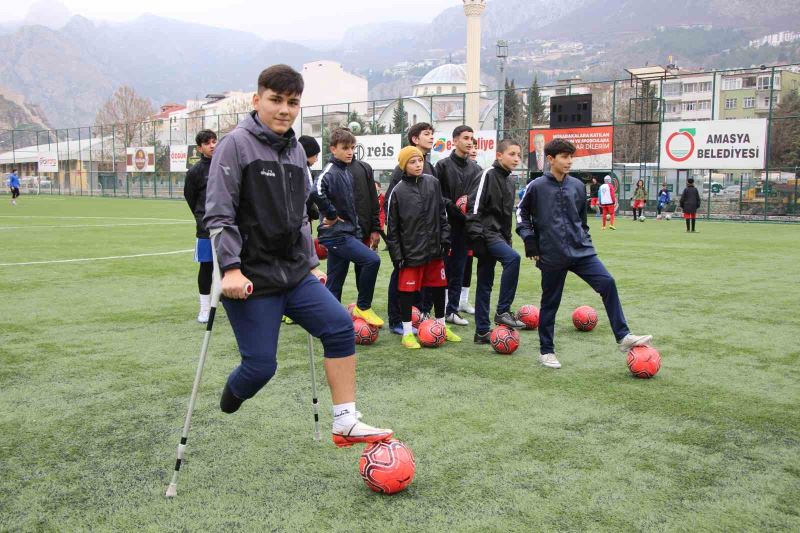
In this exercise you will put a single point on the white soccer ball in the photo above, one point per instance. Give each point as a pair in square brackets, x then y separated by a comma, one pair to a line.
[668, 217]
[608, 217]
[641, 218]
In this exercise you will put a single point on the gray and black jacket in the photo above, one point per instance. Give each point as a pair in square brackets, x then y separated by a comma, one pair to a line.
[257, 190]
[417, 230]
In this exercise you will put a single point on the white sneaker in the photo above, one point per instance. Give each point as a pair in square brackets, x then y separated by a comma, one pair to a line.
[631, 340]
[455, 318]
[465, 307]
[202, 316]
[359, 432]
[549, 360]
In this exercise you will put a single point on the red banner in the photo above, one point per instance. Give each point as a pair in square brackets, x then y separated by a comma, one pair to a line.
[594, 146]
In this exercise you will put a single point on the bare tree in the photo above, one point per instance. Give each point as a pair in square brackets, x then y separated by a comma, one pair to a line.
[129, 113]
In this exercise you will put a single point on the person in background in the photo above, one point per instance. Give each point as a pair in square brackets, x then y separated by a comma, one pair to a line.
[690, 203]
[664, 199]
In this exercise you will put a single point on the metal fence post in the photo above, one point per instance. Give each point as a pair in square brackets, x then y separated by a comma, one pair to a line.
[767, 155]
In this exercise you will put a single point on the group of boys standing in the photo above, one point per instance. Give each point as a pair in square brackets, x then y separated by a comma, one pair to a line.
[256, 203]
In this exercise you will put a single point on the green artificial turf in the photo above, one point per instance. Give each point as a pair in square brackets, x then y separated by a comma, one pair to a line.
[97, 360]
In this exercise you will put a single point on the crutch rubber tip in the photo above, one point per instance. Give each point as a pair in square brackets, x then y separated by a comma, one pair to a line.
[172, 490]
[248, 288]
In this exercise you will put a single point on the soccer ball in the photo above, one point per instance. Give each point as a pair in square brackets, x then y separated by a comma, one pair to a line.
[431, 334]
[584, 318]
[504, 340]
[608, 217]
[668, 217]
[416, 317]
[365, 334]
[641, 218]
[322, 251]
[644, 361]
[529, 315]
[387, 466]
[461, 203]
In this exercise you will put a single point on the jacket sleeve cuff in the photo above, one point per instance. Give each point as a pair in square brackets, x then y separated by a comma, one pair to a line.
[231, 267]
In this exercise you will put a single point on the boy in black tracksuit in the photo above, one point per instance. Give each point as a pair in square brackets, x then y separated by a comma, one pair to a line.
[418, 237]
[194, 190]
[255, 212]
[551, 219]
[690, 203]
[490, 212]
[455, 174]
[340, 231]
[420, 135]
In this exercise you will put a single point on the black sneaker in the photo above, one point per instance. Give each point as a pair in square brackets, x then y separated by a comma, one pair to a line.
[482, 338]
[228, 402]
[507, 319]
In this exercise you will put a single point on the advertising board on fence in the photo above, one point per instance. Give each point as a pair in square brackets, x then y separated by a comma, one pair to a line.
[141, 159]
[714, 144]
[47, 162]
[379, 151]
[594, 146]
[182, 157]
[484, 139]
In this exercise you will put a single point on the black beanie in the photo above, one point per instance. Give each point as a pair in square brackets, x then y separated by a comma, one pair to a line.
[310, 145]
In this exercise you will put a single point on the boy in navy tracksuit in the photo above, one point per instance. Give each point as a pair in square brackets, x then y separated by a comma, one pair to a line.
[551, 219]
[194, 191]
[490, 214]
[255, 213]
[340, 229]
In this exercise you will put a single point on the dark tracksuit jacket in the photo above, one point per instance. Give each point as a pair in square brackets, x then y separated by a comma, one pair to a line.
[490, 208]
[366, 198]
[257, 190]
[417, 230]
[552, 217]
[333, 194]
[194, 190]
[690, 199]
[456, 175]
[311, 207]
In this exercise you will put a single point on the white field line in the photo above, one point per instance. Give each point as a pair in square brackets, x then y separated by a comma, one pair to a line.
[100, 218]
[96, 225]
[86, 259]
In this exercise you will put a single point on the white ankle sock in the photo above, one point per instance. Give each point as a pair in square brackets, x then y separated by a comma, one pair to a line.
[407, 328]
[205, 302]
[464, 294]
[440, 321]
[344, 414]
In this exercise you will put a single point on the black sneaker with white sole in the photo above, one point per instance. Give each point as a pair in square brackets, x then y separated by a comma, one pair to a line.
[507, 319]
[482, 338]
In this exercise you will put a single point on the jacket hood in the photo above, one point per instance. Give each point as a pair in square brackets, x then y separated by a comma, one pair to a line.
[258, 130]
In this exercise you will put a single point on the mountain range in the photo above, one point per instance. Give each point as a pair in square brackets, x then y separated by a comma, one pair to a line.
[66, 70]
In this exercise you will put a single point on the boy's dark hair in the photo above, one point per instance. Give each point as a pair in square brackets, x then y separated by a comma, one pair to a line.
[282, 79]
[505, 144]
[461, 129]
[342, 136]
[690, 181]
[13, 170]
[204, 136]
[416, 130]
[559, 146]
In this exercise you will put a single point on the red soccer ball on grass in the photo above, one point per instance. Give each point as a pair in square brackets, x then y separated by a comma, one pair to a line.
[529, 315]
[387, 467]
[461, 203]
[431, 334]
[416, 317]
[365, 334]
[584, 318]
[644, 361]
[504, 339]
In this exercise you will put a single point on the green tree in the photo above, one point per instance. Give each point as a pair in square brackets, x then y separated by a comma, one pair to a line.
[535, 104]
[400, 121]
[784, 142]
[514, 115]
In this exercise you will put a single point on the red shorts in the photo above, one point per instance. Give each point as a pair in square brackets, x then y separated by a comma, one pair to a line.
[638, 204]
[689, 216]
[431, 274]
[594, 201]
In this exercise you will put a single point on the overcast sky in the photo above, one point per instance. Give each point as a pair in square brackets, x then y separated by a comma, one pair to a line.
[321, 20]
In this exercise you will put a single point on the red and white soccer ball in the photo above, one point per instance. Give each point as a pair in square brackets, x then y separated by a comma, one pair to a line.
[365, 334]
[431, 334]
[644, 361]
[584, 318]
[461, 203]
[387, 467]
[416, 317]
[529, 315]
[505, 340]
